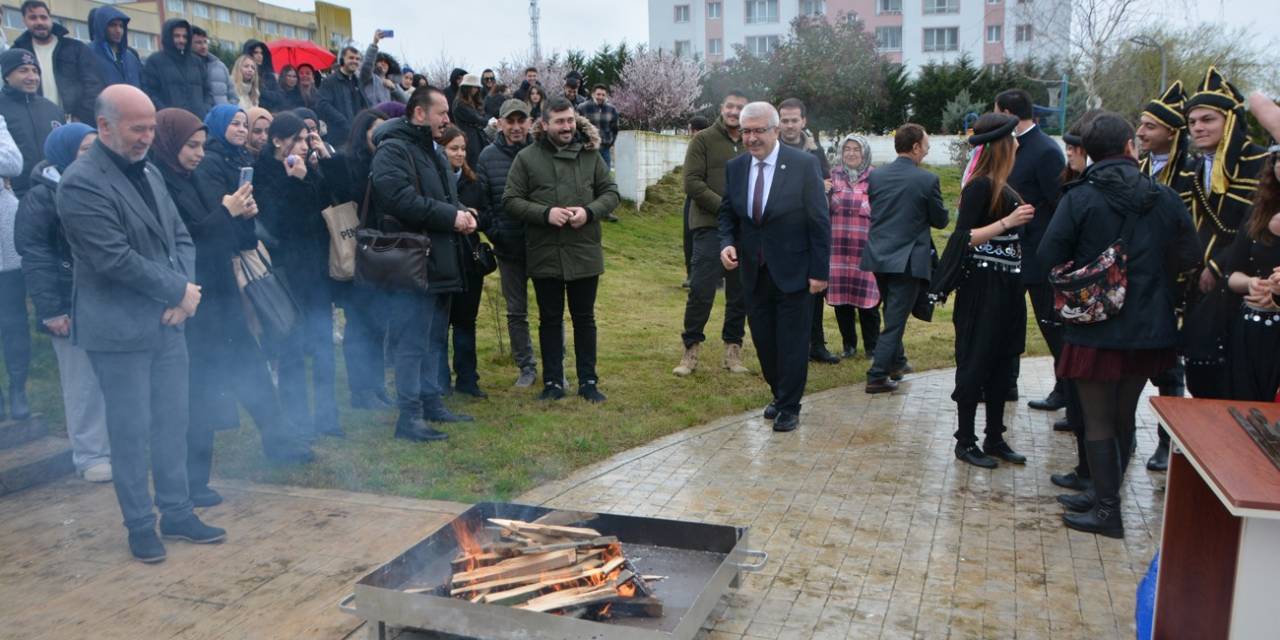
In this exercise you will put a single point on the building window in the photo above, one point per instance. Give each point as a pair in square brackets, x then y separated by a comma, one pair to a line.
[683, 48]
[761, 11]
[889, 38]
[941, 6]
[682, 13]
[995, 33]
[715, 47]
[713, 10]
[199, 10]
[13, 19]
[227, 45]
[761, 45]
[888, 6]
[222, 14]
[142, 41]
[80, 30]
[994, 1]
[813, 8]
[944, 39]
[268, 27]
[1022, 33]
[174, 6]
[244, 19]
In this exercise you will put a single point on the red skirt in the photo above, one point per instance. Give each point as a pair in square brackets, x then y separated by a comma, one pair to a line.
[1108, 365]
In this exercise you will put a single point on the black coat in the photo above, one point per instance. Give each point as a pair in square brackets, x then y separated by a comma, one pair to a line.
[506, 232]
[217, 234]
[1089, 218]
[176, 77]
[340, 100]
[75, 71]
[46, 256]
[493, 104]
[413, 191]
[1037, 177]
[472, 194]
[270, 95]
[30, 118]
[290, 210]
[472, 123]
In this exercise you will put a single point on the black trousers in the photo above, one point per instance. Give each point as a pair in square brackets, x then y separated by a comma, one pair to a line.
[868, 319]
[463, 311]
[898, 294]
[1050, 324]
[780, 324]
[688, 238]
[987, 382]
[581, 294]
[706, 272]
[817, 336]
[15, 329]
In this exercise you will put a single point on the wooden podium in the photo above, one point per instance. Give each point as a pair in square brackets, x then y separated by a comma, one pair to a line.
[1220, 543]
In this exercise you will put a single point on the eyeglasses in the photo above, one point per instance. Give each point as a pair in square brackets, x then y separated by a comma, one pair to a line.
[759, 131]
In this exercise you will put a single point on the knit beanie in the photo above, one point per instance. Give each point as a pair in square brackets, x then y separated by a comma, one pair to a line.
[14, 58]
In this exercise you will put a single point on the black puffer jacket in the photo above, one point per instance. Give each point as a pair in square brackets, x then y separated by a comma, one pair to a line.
[175, 77]
[46, 256]
[75, 70]
[505, 232]
[29, 118]
[1089, 218]
[425, 203]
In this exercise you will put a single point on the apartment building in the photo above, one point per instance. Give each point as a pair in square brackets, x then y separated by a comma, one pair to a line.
[913, 32]
[229, 22]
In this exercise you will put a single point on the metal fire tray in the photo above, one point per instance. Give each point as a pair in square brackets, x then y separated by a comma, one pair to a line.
[701, 561]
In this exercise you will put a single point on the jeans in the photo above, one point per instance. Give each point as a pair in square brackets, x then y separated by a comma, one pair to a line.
[417, 321]
[581, 294]
[463, 311]
[83, 405]
[705, 273]
[607, 154]
[312, 337]
[145, 393]
[15, 328]
[515, 291]
[868, 319]
[898, 294]
[366, 332]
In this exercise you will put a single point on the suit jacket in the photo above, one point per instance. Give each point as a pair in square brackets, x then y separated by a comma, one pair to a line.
[794, 235]
[905, 201]
[130, 264]
[1037, 177]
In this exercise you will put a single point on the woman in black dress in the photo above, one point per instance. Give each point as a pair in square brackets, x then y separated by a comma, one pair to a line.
[1253, 337]
[990, 313]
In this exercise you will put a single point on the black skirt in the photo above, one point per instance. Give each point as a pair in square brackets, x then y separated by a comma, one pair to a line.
[1253, 355]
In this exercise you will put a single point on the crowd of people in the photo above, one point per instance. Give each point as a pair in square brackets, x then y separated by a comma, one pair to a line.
[173, 223]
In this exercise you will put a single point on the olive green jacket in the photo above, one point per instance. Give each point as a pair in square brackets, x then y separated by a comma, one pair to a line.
[543, 176]
[709, 151]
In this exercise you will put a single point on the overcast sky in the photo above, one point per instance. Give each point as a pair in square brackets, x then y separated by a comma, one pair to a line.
[479, 33]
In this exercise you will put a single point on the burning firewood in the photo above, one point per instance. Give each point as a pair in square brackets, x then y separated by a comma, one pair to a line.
[548, 567]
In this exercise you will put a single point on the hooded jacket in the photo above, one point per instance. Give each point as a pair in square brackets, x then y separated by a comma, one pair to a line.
[506, 232]
[375, 92]
[270, 97]
[75, 70]
[413, 191]
[30, 118]
[176, 77]
[451, 91]
[544, 175]
[1089, 218]
[117, 64]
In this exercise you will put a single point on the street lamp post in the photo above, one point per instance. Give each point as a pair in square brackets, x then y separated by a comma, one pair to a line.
[1145, 41]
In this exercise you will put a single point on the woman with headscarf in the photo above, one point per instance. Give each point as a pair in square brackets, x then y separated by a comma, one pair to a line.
[290, 183]
[259, 122]
[852, 291]
[227, 368]
[47, 267]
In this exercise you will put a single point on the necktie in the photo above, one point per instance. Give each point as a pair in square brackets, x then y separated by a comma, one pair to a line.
[757, 196]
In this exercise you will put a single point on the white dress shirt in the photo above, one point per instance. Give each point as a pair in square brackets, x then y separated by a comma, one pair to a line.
[770, 164]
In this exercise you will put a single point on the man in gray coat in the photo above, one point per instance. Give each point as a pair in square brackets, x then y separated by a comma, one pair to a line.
[905, 201]
[134, 271]
[219, 80]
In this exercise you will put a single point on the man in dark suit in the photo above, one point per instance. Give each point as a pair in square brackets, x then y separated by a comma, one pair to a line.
[905, 201]
[774, 223]
[134, 272]
[1037, 177]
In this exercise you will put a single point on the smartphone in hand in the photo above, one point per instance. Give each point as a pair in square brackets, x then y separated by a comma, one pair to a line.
[388, 33]
[246, 176]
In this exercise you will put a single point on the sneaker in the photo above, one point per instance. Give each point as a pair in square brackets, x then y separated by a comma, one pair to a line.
[528, 376]
[146, 547]
[551, 391]
[688, 361]
[733, 358]
[98, 473]
[590, 393]
[190, 528]
[205, 497]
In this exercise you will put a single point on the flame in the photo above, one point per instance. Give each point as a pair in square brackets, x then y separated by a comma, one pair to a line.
[627, 589]
[467, 542]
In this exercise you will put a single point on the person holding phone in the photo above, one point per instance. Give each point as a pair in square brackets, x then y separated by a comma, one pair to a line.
[378, 71]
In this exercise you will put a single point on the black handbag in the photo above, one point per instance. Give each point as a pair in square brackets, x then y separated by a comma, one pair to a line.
[269, 295]
[392, 261]
[486, 262]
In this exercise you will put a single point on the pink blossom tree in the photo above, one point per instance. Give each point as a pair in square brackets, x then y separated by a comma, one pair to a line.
[658, 89]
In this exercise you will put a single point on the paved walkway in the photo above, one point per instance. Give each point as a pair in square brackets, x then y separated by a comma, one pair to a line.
[874, 530]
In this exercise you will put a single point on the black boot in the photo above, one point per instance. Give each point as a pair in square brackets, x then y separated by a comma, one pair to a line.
[1104, 518]
[414, 429]
[18, 407]
[1159, 461]
[1078, 502]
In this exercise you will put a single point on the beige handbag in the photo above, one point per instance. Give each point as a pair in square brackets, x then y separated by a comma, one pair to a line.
[342, 220]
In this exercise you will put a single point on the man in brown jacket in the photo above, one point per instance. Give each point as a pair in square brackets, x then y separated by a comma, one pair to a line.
[709, 151]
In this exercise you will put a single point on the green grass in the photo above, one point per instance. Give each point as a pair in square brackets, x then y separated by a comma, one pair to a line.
[518, 442]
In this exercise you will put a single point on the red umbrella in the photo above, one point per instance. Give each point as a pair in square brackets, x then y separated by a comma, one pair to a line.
[299, 52]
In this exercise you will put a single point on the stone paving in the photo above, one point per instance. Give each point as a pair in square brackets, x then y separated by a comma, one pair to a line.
[875, 530]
